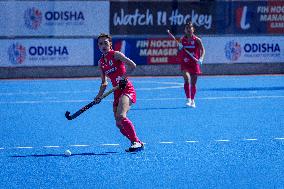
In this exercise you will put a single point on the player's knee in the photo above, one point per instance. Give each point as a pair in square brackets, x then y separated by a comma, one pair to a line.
[186, 80]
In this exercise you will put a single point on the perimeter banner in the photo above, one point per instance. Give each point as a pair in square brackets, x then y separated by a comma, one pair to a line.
[51, 18]
[258, 17]
[134, 18]
[236, 17]
[145, 50]
[253, 49]
[219, 50]
[46, 52]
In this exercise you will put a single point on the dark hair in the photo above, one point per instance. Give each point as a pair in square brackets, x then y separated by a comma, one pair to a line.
[104, 35]
[189, 24]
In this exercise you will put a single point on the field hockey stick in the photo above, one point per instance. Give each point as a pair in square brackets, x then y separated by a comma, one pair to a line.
[190, 54]
[86, 107]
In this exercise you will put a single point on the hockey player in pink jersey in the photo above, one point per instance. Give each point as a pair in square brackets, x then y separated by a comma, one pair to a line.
[112, 66]
[190, 68]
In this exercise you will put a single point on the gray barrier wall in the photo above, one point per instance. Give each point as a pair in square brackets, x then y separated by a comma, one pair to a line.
[141, 70]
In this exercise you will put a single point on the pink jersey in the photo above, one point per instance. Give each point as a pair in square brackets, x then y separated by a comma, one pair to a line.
[187, 62]
[115, 69]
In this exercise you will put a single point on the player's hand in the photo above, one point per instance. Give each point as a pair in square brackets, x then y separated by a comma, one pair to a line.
[122, 83]
[97, 100]
[200, 61]
[180, 46]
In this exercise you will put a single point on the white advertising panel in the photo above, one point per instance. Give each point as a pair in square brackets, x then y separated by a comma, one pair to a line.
[46, 52]
[252, 49]
[41, 18]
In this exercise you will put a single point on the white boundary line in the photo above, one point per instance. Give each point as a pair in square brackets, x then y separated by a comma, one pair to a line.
[191, 141]
[250, 139]
[24, 147]
[52, 146]
[279, 138]
[79, 145]
[115, 144]
[109, 144]
[166, 142]
[222, 140]
[176, 85]
[152, 99]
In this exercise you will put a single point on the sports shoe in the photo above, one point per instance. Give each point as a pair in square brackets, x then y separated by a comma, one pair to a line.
[135, 147]
[188, 102]
[192, 104]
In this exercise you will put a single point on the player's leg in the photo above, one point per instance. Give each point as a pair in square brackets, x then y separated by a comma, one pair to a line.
[118, 123]
[186, 86]
[124, 124]
[193, 81]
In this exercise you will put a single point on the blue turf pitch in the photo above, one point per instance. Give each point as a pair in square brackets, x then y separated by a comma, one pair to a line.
[233, 139]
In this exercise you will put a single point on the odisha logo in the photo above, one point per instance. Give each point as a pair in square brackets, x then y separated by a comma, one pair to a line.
[233, 50]
[17, 53]
[33, 18]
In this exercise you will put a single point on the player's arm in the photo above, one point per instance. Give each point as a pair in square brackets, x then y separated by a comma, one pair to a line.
[103, 87]
[179, 44]
[130, 64]
[202, 50]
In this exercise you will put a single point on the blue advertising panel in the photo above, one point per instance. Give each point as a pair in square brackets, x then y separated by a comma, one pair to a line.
[258, 17]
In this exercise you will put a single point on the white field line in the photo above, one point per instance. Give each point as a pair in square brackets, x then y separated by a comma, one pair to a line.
[52, 146]
[166, 142]
[222, 140]
[279, 138]
[46, 92]
[177, 85]
[110, 144]
[240, 97]
[149, 99]
[44, 101]
[250, 139]
[79, 145]
[191, 141]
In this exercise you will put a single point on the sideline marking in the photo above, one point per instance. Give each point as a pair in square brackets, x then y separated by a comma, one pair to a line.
[166, 142]
[24, 147]
[191, 141]
[79, 145]
[250, 139]
[222, 140]
[148, 99]
[110, 144]
[51, 146]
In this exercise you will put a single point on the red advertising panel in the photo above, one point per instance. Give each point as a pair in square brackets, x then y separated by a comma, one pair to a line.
[145, 50]
[273, 14]
[159, 51]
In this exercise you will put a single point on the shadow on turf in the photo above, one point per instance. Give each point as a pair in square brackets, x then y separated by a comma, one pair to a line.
[62, 155]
